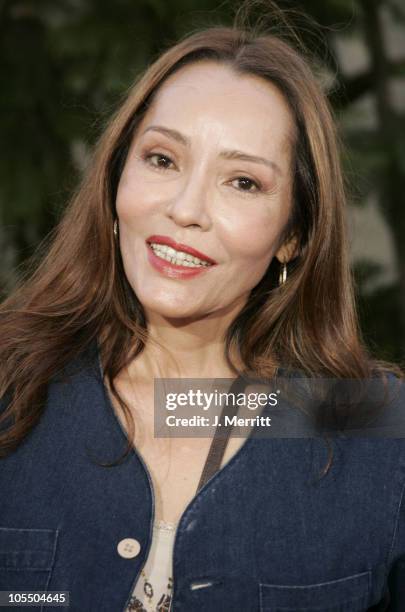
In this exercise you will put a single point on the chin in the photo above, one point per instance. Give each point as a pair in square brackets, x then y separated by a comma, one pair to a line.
[170, 309]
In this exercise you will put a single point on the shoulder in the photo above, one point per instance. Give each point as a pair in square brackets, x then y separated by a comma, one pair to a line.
[78, 381]
[388, 398]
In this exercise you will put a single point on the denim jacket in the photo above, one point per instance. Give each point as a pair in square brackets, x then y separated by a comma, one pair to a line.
[263, 534]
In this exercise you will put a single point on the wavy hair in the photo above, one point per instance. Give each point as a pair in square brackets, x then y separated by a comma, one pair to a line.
[79, 294]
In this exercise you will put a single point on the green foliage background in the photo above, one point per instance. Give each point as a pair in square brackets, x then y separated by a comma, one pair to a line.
[67, 64]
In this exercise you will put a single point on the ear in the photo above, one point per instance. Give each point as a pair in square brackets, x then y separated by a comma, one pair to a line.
[288, 250]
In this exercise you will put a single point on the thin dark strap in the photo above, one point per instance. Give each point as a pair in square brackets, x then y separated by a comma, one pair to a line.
[221, 435]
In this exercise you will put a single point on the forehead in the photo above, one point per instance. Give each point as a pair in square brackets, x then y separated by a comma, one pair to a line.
[213, 98]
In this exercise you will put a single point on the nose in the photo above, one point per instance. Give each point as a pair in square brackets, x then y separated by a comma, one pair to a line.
[189, 207]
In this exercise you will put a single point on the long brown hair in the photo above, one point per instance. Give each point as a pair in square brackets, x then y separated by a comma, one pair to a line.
[79, 293]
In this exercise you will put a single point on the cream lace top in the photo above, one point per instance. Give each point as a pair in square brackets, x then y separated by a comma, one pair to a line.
[153, 590]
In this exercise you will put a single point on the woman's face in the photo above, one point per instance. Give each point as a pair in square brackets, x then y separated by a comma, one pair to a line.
[209, 167]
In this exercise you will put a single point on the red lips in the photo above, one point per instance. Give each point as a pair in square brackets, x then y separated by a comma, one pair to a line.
[180, 247]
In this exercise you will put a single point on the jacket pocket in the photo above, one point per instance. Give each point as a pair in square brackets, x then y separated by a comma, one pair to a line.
[26, 558]
[348, 594]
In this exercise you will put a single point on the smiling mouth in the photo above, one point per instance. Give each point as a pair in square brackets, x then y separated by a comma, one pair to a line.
[177, 258]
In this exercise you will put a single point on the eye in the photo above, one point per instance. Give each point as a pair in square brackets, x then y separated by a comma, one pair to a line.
[247, 184]
[158, 160]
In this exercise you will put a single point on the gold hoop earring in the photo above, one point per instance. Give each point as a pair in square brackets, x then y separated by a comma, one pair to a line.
[115, 228]
[283, 274]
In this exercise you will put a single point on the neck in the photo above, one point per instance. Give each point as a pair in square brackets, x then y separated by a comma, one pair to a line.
[185, 349]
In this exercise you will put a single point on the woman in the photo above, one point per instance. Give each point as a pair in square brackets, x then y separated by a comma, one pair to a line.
[206, 241]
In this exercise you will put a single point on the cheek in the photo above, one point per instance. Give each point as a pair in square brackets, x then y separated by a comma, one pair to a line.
[136, 198]
[131, 204]
[253, 238]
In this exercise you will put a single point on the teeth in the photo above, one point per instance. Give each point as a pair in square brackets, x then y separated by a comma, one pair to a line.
[177, 257]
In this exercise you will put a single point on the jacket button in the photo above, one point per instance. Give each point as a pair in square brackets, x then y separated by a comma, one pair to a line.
[128, 548]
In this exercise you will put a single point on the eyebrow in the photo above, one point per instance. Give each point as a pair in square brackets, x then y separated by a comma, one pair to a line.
[226, 154]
